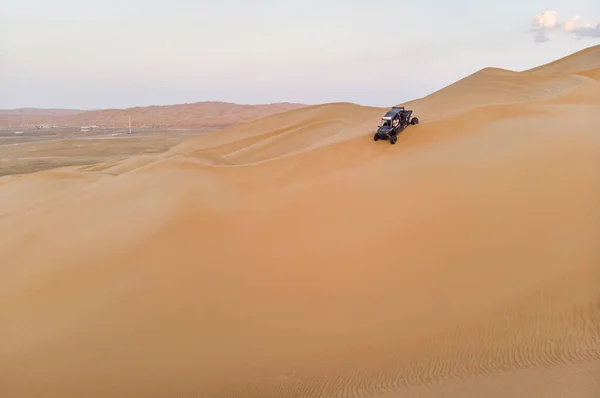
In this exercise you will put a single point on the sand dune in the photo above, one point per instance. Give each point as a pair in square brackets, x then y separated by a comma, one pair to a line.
[292, 256]
[195, 115]
[591, 73]
[586, 59]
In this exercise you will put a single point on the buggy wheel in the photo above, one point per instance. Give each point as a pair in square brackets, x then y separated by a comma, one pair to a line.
[415, 120]
[375, 137]
[393, 139]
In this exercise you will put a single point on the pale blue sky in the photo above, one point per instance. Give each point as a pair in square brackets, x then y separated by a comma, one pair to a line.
[117, 53]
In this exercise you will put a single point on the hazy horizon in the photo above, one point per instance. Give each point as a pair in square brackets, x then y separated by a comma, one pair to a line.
[108, 54]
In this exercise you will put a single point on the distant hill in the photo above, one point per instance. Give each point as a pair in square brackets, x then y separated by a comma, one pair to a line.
[208, 114]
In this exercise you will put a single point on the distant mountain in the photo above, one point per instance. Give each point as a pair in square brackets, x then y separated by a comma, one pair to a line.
[196, 115]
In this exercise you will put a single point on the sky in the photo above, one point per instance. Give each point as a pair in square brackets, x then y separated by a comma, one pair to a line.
[90, 54]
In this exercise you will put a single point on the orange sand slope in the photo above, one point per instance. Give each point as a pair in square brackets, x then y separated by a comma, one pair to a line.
[294, 257]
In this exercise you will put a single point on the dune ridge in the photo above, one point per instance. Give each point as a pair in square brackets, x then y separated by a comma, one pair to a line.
[293, 256]
[588, 58]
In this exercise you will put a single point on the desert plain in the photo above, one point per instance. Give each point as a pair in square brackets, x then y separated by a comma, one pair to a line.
[290, 255]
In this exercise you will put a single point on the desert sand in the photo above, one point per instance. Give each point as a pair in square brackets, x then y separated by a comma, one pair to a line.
[292, 256]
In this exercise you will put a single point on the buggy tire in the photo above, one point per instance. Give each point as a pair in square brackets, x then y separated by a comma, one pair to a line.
[393, 139]
[415, 120]
[375, 137]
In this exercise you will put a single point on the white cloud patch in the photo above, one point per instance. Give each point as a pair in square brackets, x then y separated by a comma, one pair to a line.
[548, 22]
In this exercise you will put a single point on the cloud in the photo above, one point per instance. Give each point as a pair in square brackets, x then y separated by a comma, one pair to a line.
[548, 22]
[571, 24]
[587, 30]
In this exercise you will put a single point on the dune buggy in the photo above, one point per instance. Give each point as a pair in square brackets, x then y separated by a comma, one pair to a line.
[393, 122]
